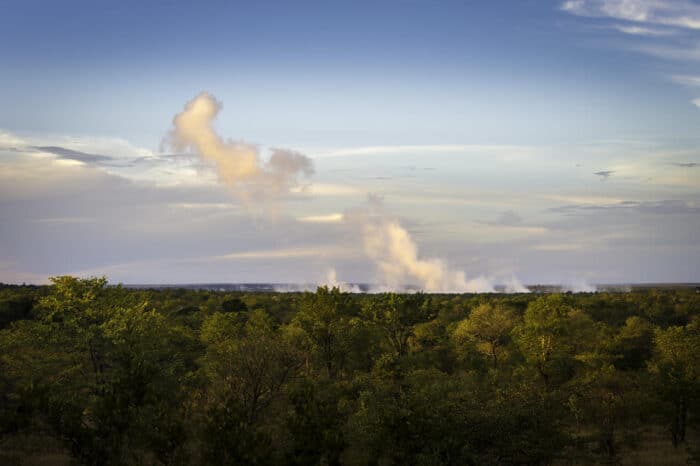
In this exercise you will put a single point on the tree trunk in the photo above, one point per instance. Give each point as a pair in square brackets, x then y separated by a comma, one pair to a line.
[682, 418]
[675, 431]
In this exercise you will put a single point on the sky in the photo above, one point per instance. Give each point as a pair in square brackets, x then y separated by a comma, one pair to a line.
[386, 142]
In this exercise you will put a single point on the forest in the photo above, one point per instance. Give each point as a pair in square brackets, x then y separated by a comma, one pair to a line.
[97, 374]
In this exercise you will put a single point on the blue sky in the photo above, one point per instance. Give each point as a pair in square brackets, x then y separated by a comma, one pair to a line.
[457, 113]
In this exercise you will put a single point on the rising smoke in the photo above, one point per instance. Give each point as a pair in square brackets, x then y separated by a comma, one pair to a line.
[513, 285]
[333, 282]
[238, 164]
[579, 286]
[388, 244]
[395, 254]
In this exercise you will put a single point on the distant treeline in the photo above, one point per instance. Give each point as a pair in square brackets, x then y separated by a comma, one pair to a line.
[105, 375]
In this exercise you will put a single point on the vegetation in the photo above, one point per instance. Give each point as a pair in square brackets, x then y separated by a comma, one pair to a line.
[101, 375]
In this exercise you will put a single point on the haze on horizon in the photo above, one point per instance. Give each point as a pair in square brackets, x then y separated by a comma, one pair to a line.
[489, 142]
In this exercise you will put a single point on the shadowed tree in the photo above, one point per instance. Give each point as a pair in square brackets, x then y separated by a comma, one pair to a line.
[324, 318]
[396, 316]
[677, 365]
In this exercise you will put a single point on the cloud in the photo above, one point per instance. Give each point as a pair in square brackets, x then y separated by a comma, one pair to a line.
[577, 240]
[110, 155]
[329, 218]
[686, 80]
[327, 189]
[509, 218]
[605, 174]
[687, 164]
[10, 141]
[674, 13]
[689, 81]
[664, 207]
[238, 164]
[69, 154]
[666, 29]
[507, 152]
[284, 253]
[643, 31]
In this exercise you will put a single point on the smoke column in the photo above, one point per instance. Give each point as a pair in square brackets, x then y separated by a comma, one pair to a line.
[579, 286]
[395, 254]
[333, 282]
[238, 164]
[515, 286]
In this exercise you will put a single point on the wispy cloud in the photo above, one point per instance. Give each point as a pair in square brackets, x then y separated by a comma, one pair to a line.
[70, 154]
[509, 218]
[665, 29]
[605, 174]
[686, 80]
[327, 189]
[506, 150]
[283, 253]
[669, 206]
[690, 81]
[674, 13]
[643, 30]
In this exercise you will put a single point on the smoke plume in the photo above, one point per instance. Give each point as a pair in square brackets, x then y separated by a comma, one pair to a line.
[238, 164]
[515, 286]
[395, 254]
[333, 282]
[579, 286]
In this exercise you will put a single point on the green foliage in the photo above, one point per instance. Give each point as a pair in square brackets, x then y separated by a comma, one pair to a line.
[676, 364]
[550, 335]
[489, 327]
[324, 317]
[396, 316]
[110, 376]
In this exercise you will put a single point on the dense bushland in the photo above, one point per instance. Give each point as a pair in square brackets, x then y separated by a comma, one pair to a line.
[104, 375]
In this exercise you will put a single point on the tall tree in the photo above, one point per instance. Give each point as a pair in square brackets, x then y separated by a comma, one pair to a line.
[677, 365]
[396, 316]
[490, 326]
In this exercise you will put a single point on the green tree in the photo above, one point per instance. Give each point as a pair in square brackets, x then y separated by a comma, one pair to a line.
[101, 364]
[490, 326]
[551, 334]
[249, 362]
[396, 316]
[324, 317]
[676, 363]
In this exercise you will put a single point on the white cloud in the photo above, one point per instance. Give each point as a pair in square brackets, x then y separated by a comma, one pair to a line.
[327, 189]
[330, 218]
[505, 150]
[285, 253]
[8, 140]
[675, 13]
[643, 31]
[204, 205]
[686, 80]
